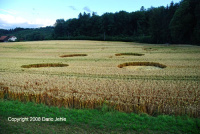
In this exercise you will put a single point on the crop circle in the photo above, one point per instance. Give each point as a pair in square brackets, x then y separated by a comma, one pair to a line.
[129, 54]
[154, 64]
[44, 65]
[73, 55]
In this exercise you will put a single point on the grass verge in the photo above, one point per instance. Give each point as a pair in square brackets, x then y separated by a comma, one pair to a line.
[103, 120]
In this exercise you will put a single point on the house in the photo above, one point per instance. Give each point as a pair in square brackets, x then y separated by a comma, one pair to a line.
[4, 38]
[7, 38]
[12, 38]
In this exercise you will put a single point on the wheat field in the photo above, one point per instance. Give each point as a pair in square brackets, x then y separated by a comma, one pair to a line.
[87, 74]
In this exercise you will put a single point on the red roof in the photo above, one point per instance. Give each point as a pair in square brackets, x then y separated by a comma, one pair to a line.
[4, 38]
[12, 36]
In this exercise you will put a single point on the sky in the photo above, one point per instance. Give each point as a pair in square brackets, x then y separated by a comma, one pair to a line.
[41, 13]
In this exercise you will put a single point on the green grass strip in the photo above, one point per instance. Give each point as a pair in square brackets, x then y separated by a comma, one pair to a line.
[88, 121]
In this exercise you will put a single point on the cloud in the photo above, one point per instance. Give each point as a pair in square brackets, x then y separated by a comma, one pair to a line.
[10, 11]
[87, 9]
[72, 7]
[44, 22]
[8, 21]
[6, 18]
[22, 25]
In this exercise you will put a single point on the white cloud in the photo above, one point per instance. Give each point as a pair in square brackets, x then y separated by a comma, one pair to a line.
[87, 9]
[8, 21]
[12, 19]
[72, 7]
[10, 11]
[44, 22]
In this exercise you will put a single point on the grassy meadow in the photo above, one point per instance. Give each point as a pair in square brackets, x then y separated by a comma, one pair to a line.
[123, 76]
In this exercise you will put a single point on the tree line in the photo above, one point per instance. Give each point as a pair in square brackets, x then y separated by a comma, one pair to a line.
[175, 23]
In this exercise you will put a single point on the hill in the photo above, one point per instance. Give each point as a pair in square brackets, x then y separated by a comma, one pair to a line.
[29, 34]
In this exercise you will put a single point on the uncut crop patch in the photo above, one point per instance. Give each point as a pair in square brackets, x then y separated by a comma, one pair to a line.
[93, 80]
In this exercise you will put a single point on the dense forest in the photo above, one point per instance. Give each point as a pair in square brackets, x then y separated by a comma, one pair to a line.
[175, 23]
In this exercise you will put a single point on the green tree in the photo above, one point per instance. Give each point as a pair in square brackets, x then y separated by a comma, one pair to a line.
[108, 23]
[96, 28]
[59, 28]
[182, 23]
[121, 23]
[157, 24]
[196, 32]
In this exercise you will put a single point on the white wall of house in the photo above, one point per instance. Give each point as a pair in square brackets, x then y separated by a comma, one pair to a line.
[13, 38]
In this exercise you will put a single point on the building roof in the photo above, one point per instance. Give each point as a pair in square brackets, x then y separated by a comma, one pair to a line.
[12, 37]
[3, 37]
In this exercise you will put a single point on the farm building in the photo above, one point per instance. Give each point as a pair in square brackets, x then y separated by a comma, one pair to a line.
[4, 38]
[7, 38]
[12, 38]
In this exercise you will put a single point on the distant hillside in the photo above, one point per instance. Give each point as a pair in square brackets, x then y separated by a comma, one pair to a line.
[29, 34]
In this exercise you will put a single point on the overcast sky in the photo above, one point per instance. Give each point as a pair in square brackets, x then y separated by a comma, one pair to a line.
[41, 13]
